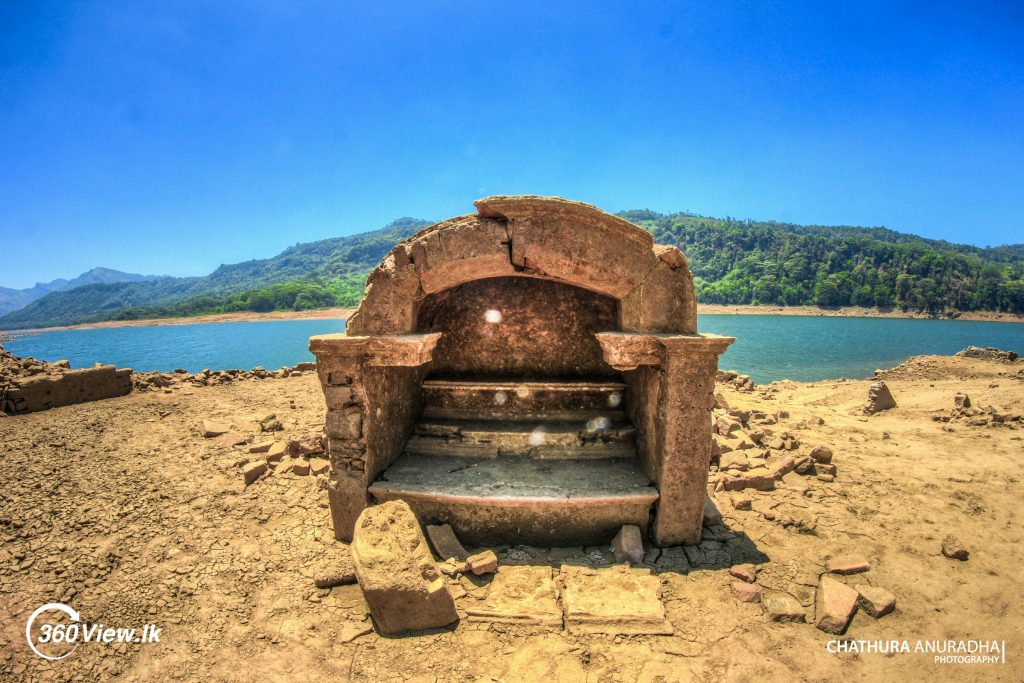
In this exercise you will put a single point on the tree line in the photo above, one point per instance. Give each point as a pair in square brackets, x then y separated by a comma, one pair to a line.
[754, 262]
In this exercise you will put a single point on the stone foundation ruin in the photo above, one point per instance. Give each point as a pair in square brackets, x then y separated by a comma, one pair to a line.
[530, 373]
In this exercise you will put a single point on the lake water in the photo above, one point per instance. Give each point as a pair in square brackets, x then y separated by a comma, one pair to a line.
[767, 347]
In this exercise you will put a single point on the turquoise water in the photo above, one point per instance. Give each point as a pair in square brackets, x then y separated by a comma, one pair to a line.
[767, 347]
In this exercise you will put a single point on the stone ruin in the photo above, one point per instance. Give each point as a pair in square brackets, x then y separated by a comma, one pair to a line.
[28, 385]
[529, 373]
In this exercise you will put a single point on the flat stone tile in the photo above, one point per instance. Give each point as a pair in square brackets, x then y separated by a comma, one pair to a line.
[520, 595]
[617, 600]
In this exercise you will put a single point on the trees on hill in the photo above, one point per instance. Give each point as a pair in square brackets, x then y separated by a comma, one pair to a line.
[751, 262]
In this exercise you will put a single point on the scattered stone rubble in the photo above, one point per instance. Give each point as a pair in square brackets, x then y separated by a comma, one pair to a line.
[298, 456]
[738, 381]
[965, 412]
[989, 353]
[742, 453]
[157, 381]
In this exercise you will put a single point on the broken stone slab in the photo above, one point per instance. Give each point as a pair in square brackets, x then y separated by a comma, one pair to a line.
[782, 607]
[210, 429]
[318, 466]
[822, 468]
[231, 439]
[396, 572]
[297, 466]
[445, 543]
[735, 460]
[523, 594]
[628, 545]
[834, 605]
[482, 563]
[746, 592]
[261, 447]
[276, 451]
[745, 572]
[804, 466]
[822, 454]
[312, 445]
[954, 549]
[879, 399]
[711, 514]
[758, 478]
[847, 564]
[782, 466]
[614, 601]
[253, 470]
[876, 601]
[741, 502]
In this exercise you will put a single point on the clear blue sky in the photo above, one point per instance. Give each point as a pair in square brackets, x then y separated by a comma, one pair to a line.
[172, 137]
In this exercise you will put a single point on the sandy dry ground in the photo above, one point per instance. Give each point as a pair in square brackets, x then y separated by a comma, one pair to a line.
[709, 309]
[120, 509]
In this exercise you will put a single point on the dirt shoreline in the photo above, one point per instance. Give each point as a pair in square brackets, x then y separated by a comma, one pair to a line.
[851, 312]
[241, 316]
[706, 309]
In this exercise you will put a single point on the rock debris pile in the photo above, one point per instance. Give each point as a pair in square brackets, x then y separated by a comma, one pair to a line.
[157, 381]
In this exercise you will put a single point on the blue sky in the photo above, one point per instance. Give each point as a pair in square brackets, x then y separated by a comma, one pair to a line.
[172, 137]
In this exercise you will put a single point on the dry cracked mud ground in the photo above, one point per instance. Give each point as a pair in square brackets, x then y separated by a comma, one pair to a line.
[122, 510]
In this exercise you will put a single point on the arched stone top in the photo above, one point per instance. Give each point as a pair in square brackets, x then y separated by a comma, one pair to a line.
[533, 236]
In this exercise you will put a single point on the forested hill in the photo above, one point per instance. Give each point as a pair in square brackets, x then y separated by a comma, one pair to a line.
[733, 261]
[763, 262]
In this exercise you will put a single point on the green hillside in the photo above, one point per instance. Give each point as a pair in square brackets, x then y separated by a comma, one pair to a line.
[733, 261]
[760, 262]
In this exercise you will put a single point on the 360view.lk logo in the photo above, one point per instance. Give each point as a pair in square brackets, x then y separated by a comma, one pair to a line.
[55, 630]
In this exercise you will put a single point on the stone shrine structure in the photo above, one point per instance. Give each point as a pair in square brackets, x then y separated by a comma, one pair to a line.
[528, 373]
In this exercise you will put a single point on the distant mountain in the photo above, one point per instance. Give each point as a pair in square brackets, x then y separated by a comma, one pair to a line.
[733, 261]
[14, 299]
[307, 275]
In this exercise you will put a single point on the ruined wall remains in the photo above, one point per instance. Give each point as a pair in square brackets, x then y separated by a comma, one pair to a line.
[44, 391]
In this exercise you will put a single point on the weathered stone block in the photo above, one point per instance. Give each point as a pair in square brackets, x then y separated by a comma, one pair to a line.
[834, 605]
[874, 600]
[252, 471]
[396, 572]
[628, 545]
[346, 423]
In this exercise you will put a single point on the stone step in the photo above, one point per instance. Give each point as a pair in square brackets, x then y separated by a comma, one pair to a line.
[522, 400]
[522, 500]
[598, 437]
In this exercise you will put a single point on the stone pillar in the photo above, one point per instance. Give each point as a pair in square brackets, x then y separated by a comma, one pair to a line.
[670, 393]
[372, 389]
